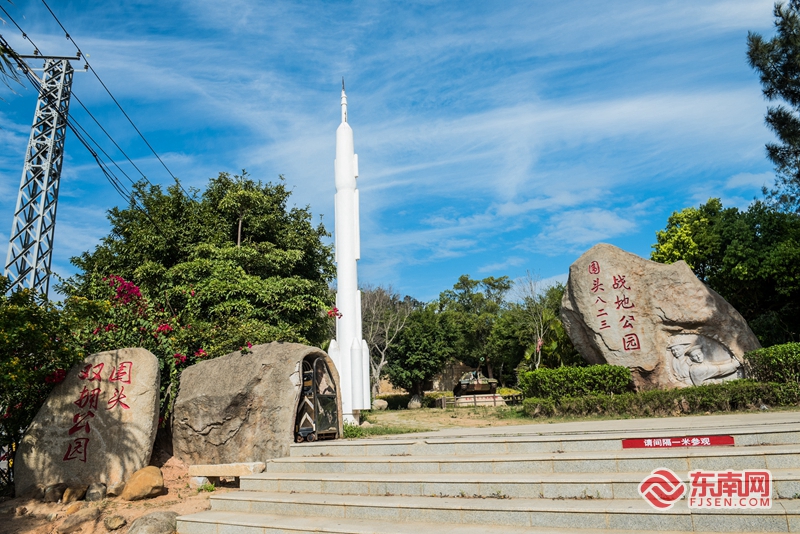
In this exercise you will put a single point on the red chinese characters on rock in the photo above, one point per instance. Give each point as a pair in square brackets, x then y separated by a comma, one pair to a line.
[89, 399]
[91, 372]
[116, 399]
[619, 283]
[77, 450]
[597, 286]
[594, 268]
[121, 373]
[630, 342]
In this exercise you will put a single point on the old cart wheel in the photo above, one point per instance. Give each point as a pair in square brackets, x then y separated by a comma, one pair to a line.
[298, 438]
[311, 437]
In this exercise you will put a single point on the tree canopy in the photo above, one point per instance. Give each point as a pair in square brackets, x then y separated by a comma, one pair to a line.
[423, 347]
[751, 258]
[777, 62]
[235, 262]
[474, 306]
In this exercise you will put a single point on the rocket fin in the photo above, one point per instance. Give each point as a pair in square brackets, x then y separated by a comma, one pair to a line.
[333, 352]
[356, 374]
[367, 382]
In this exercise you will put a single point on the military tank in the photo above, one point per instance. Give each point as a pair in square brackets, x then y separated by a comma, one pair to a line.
[474, 383]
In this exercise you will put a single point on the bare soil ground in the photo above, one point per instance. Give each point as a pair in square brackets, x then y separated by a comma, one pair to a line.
[18, 516]
[439, 419]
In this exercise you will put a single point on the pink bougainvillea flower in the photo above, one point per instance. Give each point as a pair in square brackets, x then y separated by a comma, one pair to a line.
[126, 292]
[179, 358]
[200, 353]
[249, 345]
[163, 328]
[56, 377]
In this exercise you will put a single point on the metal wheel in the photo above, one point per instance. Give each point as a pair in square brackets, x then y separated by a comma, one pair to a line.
[298, 438]
[311, 437]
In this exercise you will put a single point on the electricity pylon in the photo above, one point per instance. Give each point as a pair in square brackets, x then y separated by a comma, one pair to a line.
[30, 248]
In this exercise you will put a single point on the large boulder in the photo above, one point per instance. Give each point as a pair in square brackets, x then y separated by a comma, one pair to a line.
[659, 320]
[98, 425]
[242, 407]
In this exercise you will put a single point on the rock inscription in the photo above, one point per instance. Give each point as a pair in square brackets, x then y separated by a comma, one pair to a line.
[659, 320]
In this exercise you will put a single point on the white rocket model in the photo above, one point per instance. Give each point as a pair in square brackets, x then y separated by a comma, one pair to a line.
[348, 351]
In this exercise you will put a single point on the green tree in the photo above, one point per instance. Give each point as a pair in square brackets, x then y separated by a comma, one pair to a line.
[384, 315]
[777, 62]
[516, 334]
[36, 349]
[422, 348]
[474, 306]
[192, 259]
[749, 257]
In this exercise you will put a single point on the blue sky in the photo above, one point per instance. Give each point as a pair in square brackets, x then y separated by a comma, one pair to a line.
[493, 137]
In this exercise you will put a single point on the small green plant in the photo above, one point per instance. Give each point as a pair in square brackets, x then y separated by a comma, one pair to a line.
[208, 486]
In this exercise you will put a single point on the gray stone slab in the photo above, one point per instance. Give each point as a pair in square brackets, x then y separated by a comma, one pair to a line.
[239, 529]
[186, 526]
[381, 513]
[746, 521]
[497, 517]
[650, 521]
[585, 466]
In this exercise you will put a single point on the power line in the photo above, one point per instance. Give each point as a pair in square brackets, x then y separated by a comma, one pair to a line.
[77, 129]
[78, 48]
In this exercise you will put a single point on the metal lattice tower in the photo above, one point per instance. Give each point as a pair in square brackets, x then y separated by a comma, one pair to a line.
[31, 244]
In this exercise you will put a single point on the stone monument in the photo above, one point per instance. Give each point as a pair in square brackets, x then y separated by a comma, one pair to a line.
[242, 407]
[659, 320]
[98, 425]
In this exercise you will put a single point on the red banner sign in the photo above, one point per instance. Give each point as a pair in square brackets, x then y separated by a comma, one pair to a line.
[683, 441]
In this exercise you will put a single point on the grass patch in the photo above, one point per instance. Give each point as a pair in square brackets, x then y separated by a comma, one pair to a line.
[208, 486]
[357, 431]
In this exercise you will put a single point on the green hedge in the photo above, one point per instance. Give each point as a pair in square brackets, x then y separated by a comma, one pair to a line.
[575, 381]
[779, 363]
[728, 396]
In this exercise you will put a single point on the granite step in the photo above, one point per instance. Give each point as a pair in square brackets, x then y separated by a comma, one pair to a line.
[786, 484]
[621, 514]
[626, 461]
[422, 445]
[217, 522]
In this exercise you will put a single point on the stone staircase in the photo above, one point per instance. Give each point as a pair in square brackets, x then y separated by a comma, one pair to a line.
[539, 478]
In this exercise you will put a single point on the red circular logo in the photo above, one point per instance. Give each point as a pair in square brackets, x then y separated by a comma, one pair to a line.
[662, 489]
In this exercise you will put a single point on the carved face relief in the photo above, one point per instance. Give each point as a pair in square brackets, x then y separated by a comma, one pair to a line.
[696, 360]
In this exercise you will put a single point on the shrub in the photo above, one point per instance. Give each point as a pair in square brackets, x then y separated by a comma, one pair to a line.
[508, 391]
[779, 363]
[575, 381]
[728, 396]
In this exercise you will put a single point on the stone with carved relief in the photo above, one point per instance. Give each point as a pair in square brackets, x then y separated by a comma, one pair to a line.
[659, 320]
